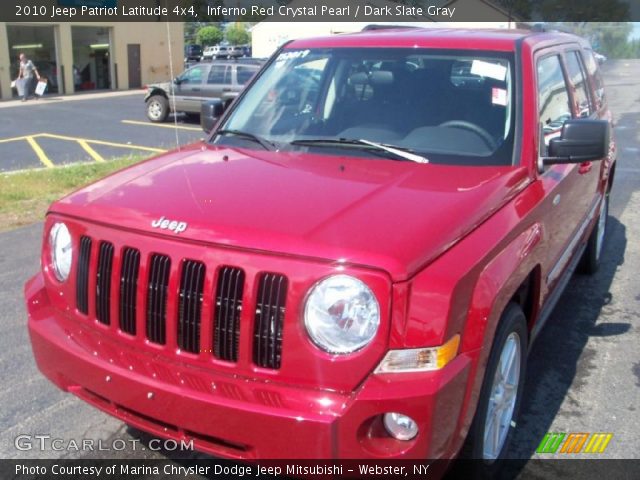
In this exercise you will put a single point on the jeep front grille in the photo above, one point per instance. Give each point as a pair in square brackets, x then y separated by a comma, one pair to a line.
[103, 283]
[82, 276]
[162, 301]
[191, 285]
[157, 298]
[267, 343]
[226, 334]
[129, 270]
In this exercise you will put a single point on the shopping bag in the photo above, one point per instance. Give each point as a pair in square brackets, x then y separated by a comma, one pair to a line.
[20, 86]
[41, 87]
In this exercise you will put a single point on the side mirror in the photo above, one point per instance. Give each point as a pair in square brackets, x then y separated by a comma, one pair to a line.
[177, 80]
[210, 112]
[581, 140]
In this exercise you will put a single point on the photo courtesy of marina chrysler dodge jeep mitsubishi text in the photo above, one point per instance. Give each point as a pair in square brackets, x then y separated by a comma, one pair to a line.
[353, 265]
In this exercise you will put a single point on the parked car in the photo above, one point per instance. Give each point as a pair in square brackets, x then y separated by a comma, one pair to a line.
[192, 53]
[221, 80]
[209, 53]
[354, 264]
[222, 51]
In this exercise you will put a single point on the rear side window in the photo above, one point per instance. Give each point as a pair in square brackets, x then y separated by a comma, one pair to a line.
[244, 74]
[219, 74]
[594, 72]
[553, 99]
[575, 70]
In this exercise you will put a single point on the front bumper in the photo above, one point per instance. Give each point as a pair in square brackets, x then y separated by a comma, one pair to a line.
[236, 417]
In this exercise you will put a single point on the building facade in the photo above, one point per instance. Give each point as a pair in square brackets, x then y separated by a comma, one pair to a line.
[77, 57]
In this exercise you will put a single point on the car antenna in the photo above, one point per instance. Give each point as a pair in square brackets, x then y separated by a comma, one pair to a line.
[172, 86]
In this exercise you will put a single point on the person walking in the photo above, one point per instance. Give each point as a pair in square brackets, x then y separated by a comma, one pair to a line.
[26, 75]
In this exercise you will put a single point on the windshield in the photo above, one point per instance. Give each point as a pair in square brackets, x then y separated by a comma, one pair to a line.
[453, 107]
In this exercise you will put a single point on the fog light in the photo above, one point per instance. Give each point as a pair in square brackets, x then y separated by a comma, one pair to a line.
[400, 426]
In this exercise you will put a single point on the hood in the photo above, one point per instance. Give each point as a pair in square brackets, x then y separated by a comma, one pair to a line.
[390, 215]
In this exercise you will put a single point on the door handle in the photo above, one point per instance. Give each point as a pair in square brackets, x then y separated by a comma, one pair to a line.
[226, 89]
[195, 89]
[585, 167]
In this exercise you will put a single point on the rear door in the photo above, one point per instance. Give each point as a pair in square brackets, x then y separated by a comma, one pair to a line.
[219, 81]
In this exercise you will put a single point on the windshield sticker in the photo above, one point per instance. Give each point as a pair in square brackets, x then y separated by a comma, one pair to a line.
[499, 96]
[491, 70]
[291, 55]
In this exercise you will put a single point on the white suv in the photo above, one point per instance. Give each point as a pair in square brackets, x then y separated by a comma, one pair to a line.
[222, 51]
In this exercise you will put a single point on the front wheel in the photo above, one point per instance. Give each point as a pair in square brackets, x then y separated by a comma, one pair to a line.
[501, 394]
[157, 108]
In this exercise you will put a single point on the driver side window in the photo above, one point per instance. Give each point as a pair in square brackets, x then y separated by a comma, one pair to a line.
[554, 107]
[193, 75]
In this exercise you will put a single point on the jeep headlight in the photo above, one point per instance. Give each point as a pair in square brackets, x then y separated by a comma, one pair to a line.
[342, 314]
[61, 251]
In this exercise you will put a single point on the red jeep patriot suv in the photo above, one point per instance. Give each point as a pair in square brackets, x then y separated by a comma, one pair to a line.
[356, 262]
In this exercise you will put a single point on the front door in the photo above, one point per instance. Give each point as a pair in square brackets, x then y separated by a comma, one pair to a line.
[133, 58]
[564, 185]
[188, 90]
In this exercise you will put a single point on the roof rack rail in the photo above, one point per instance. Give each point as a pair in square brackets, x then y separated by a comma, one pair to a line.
[375, 26]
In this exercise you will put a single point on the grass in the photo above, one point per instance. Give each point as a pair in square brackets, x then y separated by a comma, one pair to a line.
[26, 195]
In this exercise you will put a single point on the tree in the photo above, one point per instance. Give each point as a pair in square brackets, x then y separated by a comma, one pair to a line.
[608, 38]
[209, 35]
[237, 34]
[191, 31]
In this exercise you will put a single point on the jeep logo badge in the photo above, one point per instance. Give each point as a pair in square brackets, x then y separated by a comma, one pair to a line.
[166, 224]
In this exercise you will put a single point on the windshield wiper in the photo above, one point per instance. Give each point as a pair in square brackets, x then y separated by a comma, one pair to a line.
[266, 144]
[396, 150]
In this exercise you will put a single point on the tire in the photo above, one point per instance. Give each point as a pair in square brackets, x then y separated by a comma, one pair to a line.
[590, 262]
[157, 108]
[193, 117]
[511, 338]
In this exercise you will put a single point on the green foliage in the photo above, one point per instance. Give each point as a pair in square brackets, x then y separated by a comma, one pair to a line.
[209, 35]
[26, 195]
[609, 38]
[237, 34]
[191, 32]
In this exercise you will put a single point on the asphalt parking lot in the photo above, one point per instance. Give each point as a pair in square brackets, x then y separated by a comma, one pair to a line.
[92, 127]
[584, 370]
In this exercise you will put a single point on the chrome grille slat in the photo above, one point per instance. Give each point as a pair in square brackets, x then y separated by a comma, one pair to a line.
[128, 289]
[157, 291]
[82, 275]
[190, 309]
[229, 291]
[103, 283]
[269, 318]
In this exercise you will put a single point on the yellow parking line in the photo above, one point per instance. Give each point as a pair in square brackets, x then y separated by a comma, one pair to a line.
[14, 139]
[100, 142]
[39, 152]
[162, 125]
[87, 148]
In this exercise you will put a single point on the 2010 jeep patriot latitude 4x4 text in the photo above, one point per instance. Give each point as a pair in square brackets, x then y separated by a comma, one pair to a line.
[355, 263]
